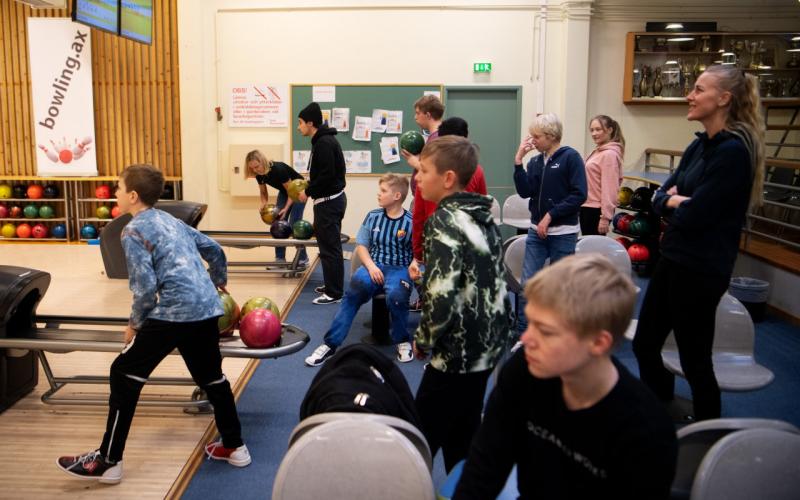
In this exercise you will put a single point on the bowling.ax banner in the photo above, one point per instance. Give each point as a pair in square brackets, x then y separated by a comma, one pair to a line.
[60, 54]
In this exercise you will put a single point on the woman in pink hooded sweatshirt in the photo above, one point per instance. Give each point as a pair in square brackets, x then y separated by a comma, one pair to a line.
[603, 175]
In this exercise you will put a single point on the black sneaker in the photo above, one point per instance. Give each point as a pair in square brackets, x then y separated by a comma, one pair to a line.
[91, 465]
[320, 289]
[326, 299]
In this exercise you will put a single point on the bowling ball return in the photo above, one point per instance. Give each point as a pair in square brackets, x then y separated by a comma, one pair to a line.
[26, 337]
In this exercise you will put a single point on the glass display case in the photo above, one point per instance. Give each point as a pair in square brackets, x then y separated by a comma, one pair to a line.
[662, 67]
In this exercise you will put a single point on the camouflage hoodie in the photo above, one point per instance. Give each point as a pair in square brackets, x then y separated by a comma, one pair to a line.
[466, 313]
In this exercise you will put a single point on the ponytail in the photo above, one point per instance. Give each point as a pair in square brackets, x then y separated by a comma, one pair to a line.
[616, 132]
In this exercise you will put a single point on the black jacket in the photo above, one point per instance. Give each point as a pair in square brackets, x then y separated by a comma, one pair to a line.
[326, 167]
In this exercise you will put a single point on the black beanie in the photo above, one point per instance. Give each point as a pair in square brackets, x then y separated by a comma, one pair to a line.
[312, 113]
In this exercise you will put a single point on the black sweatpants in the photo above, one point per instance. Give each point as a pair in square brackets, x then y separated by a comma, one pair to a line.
[449, 407]
[198, 344]
[683, 301]
[328, 226]
[590, 219]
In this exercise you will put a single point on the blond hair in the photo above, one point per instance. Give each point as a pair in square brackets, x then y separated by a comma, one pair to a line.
[454, 153]
[397, 183]
[745, 121]
[587, 293]
[548, 124]
[256, 155]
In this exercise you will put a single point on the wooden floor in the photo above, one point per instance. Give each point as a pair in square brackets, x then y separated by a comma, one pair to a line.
[33, 434]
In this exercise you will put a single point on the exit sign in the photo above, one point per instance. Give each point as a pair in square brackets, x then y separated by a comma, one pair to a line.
[482, 67]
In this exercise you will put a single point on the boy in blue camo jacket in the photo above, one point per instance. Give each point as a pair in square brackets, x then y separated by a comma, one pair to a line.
[175, 305]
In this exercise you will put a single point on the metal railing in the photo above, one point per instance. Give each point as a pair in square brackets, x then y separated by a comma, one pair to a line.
[778, 220]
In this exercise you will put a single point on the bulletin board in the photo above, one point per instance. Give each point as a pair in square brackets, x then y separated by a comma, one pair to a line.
[362, 99]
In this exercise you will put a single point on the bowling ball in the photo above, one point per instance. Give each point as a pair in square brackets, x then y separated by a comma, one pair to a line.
[623, 223]
[39, 231]
[302, 230]
[31, 211]
[115, 211]
[615, 220]
[624, 195]
[626, 242]
[412, 141]
[3, 211]
[51, 191]
[230, 318]
[102, 191]
[639, 226]
[295, 187]
[280, 229]
[46, 212]
[59, 231]
[168, 193]
[88, 232]
[24, 230]
[641, 198]
[8, 230]
[35, 191]
[20, 191]
[269, 213]
[638, 253]
[103, 212]
[15, 211]
[260, 303]
[260, 329]
[5, 191]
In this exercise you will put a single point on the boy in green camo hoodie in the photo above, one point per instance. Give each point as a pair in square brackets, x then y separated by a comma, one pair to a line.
[466, 314]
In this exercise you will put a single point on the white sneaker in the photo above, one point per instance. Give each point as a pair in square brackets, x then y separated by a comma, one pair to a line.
[319, 355]
[239, 457]
[326, 299]
[405, 352]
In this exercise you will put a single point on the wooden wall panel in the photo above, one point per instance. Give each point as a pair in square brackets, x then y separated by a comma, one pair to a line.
[136, 94]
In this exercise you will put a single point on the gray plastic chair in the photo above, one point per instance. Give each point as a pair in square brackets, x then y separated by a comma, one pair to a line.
[696, 439]
[732, 353]
[513, 258]
[496, 212]
[748, 464]
[353, 456]
[608, 247]
[516, 213]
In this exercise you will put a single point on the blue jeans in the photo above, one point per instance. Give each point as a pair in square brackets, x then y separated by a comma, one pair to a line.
[295, 214]
[537, 251]
[396, 285]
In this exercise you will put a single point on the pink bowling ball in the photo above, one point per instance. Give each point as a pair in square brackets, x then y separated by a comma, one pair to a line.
[260, 328]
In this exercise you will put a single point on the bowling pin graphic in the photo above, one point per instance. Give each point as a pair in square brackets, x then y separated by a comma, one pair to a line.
[81, 147]
[51, 155]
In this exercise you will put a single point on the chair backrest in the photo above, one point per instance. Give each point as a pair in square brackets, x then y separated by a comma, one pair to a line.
[752, 463]
[609, 247]
[733, 328]
[189, 212]
[496, 212]
[515, 212]
[348, 458]
[513, 258]
[696, 439]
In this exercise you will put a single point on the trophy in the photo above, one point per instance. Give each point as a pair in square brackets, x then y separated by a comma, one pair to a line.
[737, 47]
[756, 50]
[636, 46]
[657, 84]
[706, 43]
[794, 62]
[644, 81]
[687, 72]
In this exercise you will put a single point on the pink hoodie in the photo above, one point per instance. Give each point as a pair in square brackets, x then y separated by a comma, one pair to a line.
[603, 177]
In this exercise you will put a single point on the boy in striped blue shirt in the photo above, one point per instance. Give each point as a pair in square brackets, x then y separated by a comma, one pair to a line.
[384, 247]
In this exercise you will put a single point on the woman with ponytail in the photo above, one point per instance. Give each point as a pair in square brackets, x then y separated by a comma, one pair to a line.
[603, 175]
[704, 201]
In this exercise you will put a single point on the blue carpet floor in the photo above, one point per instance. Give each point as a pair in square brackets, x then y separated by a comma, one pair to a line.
[270, 404]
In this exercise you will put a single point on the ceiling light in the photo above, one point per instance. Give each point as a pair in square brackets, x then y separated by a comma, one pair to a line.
[674, 26]
[681, 39]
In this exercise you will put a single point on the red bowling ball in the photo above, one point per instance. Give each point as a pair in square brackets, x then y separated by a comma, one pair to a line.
[115, 212]
[24, 231]
[103, 192]
[39, 231]
[3, 211]
[626, 242]
[638, 253]
[15, 212]
[260, 329]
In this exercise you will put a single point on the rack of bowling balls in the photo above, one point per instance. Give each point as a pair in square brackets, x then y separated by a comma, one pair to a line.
[34, 210]
[280, 228]
[638, 228]
[258, 321]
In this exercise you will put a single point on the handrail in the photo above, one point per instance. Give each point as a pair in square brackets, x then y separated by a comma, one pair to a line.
[673, 153]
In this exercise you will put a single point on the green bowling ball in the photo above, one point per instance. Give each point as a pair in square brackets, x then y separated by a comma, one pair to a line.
[260, 303]
[46, 212]
[412, 141]
[302, 230]
[31, 211]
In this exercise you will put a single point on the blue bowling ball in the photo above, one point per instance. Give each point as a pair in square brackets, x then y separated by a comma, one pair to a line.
[59, 231]
[88, 232]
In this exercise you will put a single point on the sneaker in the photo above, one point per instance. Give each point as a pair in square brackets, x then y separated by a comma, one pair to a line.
[91, 465]
[278, 263]
[415, 306]
[238, 457]
[405, 352]
[319, 355]
[303, 264]
[320, 289]
[326, 299]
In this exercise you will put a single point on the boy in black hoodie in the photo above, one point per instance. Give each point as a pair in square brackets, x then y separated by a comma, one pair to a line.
[326, 186]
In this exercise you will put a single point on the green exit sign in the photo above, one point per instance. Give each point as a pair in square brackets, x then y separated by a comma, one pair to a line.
[482, 67]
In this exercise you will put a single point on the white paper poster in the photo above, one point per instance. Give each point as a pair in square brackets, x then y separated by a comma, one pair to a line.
[390, 149]
[394, 124]
[341, 119]
[60, 55]
[379, 119]
[259, 105]
[362, 130]
[433, 93]
[300, 160]
[323, 93]
[358, 162]
[326, 117]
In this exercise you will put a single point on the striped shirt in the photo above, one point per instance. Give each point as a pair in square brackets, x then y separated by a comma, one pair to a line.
[388, 240]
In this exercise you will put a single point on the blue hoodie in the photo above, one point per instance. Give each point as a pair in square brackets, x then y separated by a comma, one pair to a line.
[559, 189]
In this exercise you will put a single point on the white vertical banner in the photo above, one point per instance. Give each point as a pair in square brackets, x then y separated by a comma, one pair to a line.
[60, 55]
